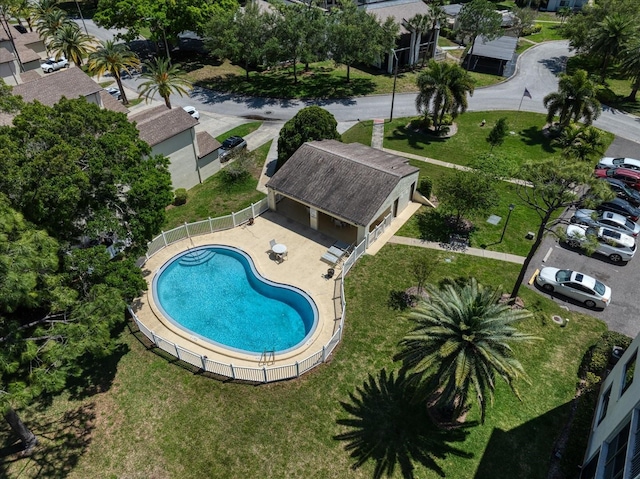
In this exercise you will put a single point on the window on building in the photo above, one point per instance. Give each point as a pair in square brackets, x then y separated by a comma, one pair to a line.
[604, 405]
[589, 469]
[629, 369]
[617, 454]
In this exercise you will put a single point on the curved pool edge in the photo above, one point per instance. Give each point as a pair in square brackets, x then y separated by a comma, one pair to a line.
[194, 336]
[303, 269]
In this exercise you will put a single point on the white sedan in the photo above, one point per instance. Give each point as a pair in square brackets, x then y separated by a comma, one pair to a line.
[575, 285]
[618, 247]
[192, 111]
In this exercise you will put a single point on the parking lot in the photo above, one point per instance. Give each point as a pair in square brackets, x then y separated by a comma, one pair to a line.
[622, 314]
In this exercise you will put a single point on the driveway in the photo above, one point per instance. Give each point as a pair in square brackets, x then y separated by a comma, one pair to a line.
[622, 314]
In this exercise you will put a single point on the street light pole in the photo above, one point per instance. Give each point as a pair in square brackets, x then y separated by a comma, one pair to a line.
[82, 18]
[395, 78]
[511, 207]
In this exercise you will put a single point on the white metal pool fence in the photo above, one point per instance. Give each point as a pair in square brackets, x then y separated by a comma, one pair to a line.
[262, 374]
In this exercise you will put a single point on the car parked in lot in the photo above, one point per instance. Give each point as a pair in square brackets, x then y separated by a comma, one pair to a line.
[52, 65]
[192, 111]
[630, 177]
[606, 219]
[620, 206]
[231, 146]
[575, 285]
[609, 162]
[114, 92]
[623, 191]
[616, 246]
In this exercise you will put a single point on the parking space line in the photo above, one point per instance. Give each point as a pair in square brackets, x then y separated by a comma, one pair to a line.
[546, 256]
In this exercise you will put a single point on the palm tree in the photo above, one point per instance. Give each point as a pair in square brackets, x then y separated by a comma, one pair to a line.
[436, 15]
[460, 344]
[609, 37]
[71, 42]
[575, 100]
[417, 25]
[630, 66]
[163, 78]
[443, 89]
[580, 142]
[50, 19]
[112, 58]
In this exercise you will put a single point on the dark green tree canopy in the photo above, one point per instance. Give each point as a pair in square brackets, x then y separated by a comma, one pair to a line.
[498, 133]
[77, 170]
[479, 17]
[309, 124]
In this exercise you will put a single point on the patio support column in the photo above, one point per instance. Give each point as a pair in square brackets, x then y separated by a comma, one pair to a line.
[313, 218]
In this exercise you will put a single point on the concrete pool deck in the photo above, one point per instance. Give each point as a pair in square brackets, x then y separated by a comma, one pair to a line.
[303, 268]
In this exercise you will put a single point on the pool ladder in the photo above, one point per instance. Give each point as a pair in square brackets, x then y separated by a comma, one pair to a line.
[268, 357]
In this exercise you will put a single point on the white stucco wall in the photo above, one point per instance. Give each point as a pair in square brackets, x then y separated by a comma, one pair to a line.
[180, 151]
[209, 165]
[621, 408]
[402, 192]
[9, 74]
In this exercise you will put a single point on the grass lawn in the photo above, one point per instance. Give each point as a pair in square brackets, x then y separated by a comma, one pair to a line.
[470, 142]
[240, 130]
[430, 225]
[359, 133]
[214, 198]
[550, 31]
[148, 417]
[323, 80]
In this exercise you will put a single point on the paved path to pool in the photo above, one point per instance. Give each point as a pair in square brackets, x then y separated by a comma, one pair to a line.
[303, 269]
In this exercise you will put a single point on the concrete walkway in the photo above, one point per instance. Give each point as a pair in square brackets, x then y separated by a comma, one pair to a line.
[378, 134]
[483, 253]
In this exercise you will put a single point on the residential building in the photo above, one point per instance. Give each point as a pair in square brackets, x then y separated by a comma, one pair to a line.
[171, 132]
[613, 451]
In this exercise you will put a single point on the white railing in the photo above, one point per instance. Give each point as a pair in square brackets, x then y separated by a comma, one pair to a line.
[261, 374]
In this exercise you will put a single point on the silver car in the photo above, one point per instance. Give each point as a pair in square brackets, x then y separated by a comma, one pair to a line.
[618, 247]
[575, 285]
[606, 219]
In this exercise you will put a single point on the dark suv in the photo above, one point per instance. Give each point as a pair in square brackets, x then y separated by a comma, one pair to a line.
[623, 191]
[230, 146]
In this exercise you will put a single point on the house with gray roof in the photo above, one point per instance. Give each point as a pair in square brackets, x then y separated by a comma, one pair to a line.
[328, 183]
[19, 53]
[171, 132]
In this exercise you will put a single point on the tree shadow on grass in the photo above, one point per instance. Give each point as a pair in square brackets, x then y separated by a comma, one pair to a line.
[386, 426]
[434, 226]
[416, 139]
[62, 441]
[534, 136]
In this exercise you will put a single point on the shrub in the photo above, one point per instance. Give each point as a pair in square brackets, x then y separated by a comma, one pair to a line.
[400, 300]
[426, 185]
[180, 197]
[531, 29]
[238, 170]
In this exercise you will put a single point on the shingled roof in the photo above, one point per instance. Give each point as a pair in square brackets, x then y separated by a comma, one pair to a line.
[206, 143]
[161, 123]
[351, 181]
[48, 90]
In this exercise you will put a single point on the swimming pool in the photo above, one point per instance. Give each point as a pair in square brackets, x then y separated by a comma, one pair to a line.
[216, 293]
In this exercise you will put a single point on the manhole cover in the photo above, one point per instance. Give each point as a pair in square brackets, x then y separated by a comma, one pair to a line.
[557, 319]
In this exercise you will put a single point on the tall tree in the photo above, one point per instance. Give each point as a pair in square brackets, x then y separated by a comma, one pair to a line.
[609, 38]
[163, 78]
[355, 36]
[463, 192]
[239, 35]
[309, 124]
[549, 186]
[575, 100]
[479, 17]
[50, 20]
[523, 18]
[498, 133]
[418, 25]
[113, 58]
[77, 170]
[443, 89]
[630, 65]
[69, 41]
[461, 344]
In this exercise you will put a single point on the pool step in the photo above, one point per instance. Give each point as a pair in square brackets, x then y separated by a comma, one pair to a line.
[196, 258]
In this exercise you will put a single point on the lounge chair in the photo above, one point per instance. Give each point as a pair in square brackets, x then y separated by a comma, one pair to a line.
[330, 258]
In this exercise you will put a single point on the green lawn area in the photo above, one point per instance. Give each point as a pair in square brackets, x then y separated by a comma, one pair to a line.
[240, 130]
[323, 80]
[215, 198]
[359, 133]
[148, 417]
[550, 31]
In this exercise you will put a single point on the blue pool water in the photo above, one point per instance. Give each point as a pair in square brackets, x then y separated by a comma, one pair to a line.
[216, 293]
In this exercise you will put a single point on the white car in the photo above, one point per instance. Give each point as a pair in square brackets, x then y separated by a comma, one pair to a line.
[609, 162]
[192, 111]
[618, 247]
[52, 64]
[575, 285]
[114, 92]
[606, 219]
